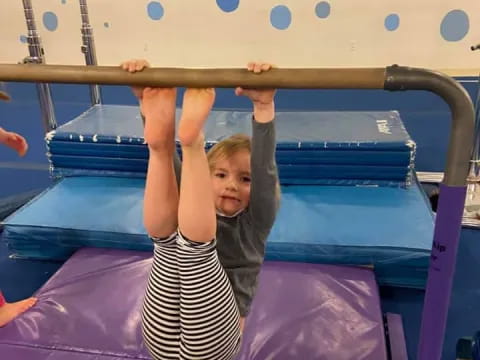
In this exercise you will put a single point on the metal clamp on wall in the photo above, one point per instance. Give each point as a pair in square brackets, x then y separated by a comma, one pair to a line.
[88, 49]
[37, 56]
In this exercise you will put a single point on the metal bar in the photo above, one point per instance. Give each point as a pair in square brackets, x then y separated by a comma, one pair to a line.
[475, 163]
[170, 77]
[463, 124]
[88, 49]
[36, 52]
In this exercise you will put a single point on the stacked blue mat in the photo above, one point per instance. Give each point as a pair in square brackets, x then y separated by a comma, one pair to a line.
[387, 227]
[334, 148]
[390, 228]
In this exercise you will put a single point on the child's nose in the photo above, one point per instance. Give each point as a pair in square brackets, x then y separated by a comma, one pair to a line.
[232, 185]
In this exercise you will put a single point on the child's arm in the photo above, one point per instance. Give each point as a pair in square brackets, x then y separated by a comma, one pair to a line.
[264, 192]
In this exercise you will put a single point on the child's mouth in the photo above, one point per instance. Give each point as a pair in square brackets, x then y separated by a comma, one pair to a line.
[231, 198]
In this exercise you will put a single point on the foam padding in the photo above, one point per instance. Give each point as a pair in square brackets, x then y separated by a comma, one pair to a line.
[90, 309]
[356, 147]
[389, 228]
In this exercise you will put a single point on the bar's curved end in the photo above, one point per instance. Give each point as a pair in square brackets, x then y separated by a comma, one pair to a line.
[463, 116]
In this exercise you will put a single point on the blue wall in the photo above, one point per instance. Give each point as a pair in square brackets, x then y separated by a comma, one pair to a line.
[426, 117]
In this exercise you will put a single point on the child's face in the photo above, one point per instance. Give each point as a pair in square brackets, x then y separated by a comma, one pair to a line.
[231, 183]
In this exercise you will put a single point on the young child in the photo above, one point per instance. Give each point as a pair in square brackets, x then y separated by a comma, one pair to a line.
[210, 236]
[9, 311]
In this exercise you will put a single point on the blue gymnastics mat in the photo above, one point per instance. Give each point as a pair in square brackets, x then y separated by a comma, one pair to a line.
[355, 148]
[389, 228]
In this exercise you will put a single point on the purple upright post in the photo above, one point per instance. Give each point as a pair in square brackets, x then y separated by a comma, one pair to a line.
[452, 198]
[442, 267]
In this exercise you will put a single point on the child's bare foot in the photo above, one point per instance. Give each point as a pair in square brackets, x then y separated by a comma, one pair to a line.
[158, 106]
[197, 104]
[10, 311]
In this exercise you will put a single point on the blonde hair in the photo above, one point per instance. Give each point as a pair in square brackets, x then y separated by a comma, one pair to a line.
[228, 147]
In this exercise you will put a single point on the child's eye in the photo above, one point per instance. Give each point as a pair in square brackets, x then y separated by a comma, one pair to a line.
[246, 179]
[220, 175]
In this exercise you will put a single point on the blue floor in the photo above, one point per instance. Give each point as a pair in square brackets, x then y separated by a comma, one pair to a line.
[21, 278]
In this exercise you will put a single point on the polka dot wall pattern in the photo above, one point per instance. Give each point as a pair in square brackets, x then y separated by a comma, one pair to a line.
[155, 10]
[50, 21]
[322, 9]
[228, 5]
[280, 17]
[453, 27]
[392, 22]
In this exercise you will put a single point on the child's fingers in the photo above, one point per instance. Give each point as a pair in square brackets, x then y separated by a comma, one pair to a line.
[141, 64]
[18, 143]
[132, 66]
[19, 138]
[259, 67]
[266, 67]
[23, 147]
[126, 64]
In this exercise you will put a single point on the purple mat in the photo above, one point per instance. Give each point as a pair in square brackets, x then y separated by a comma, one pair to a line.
[90, 310]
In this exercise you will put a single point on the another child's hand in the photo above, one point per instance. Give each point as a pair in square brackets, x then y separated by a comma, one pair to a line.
[14, 141]
[133, 66]
[258, 97]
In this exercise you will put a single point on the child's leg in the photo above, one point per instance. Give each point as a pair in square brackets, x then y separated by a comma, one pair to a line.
[161, 189]
[209, 316]
[208, 312]
[196, 208]
[9, 311]
[161, 307]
